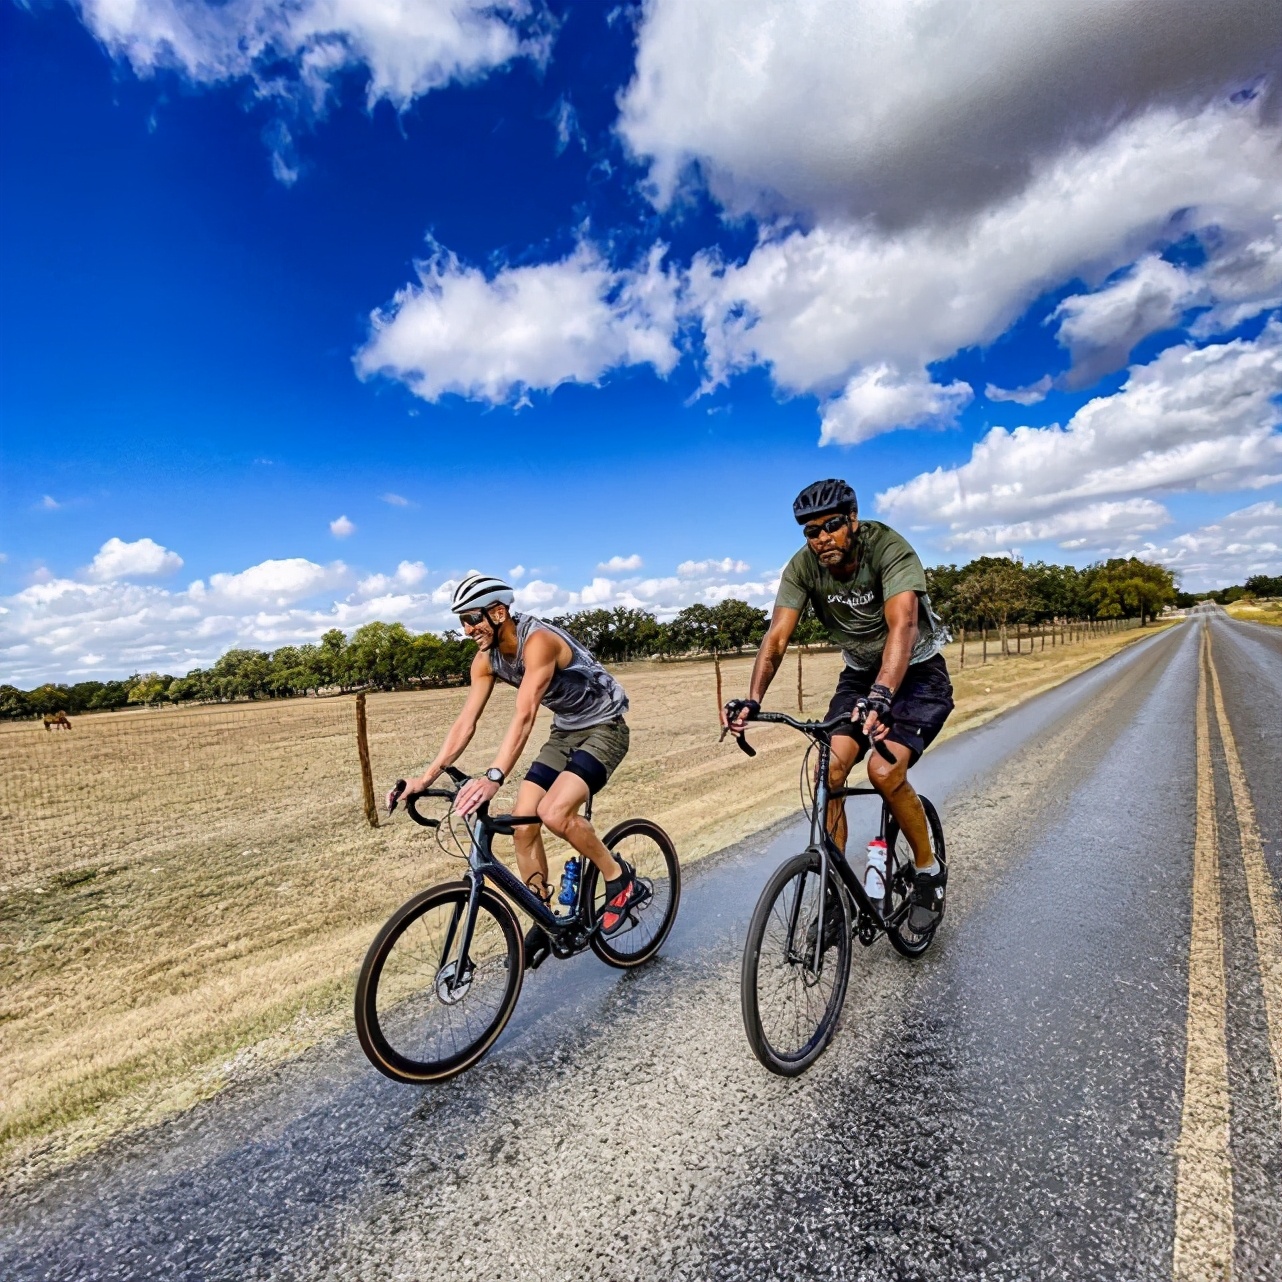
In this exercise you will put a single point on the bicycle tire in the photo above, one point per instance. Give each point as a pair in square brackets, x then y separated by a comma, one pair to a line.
[394, 992]
[903, 938]
[650, 850]
[768, 920]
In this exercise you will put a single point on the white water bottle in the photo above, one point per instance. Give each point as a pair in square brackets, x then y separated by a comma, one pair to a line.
[875, 873]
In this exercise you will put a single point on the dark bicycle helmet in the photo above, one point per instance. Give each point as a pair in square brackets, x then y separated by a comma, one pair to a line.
[824, 496]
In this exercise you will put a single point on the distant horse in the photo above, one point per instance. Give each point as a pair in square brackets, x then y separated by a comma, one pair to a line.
[58, 719]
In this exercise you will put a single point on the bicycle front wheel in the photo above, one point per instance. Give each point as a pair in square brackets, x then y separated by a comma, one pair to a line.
[791, 998]
[423, 1011]
[650, 851]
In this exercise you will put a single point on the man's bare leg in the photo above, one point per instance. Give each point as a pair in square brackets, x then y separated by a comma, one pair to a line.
[892, 783]
[845, 755]
[559, 811]
[531, 858]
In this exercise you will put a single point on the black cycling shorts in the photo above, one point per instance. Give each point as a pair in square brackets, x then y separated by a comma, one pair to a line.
[918, 711]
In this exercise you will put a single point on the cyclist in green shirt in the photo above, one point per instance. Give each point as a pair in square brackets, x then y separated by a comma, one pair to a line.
[867, 587]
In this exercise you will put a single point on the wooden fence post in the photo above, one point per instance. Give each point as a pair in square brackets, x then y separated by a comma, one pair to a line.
[362, 747]
[800, 696]
[716, 663]
[963, 647]
[985, 655]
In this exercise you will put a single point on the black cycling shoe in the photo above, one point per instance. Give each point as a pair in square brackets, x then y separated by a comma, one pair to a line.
[929, 898]
[833, 927]
[538, 947]
[621, 896]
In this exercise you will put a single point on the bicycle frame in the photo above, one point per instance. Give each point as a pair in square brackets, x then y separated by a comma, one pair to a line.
[868, 915]
[570, 931]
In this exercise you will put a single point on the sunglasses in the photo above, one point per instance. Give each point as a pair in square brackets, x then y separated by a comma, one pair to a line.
[473, 617]
[830, 526]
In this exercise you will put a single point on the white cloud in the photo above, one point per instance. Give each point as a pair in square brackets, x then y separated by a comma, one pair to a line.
[396, 500]
[140, 559]
[527, 328]
[300, 49]
[701, 569]
[49, 503]
[1078, 527]
[277, 583]
[880, 399]
[516, 573]
[822, 306]
[907, 110]
[408, 574]
[1193, 419]
[1230, 550]
[1030, 395]
[340, 527]
[621, 564]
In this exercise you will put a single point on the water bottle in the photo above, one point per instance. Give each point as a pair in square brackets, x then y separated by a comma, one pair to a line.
[570, 882]
[875, 873]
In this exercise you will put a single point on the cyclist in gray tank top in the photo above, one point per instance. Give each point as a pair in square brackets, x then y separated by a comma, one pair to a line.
[589, 739]
[582, 694]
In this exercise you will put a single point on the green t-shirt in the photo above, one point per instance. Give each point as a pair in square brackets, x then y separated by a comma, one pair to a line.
[852, 610]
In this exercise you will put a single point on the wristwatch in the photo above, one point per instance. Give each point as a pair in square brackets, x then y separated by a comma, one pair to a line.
[495, 775]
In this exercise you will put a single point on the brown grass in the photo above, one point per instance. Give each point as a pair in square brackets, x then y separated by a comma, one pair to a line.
[186, 894]
[1269, 612]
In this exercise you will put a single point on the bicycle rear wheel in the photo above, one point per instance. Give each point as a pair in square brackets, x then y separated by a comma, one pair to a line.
[790, 1008]
[421, 1014]
[904, 939]
[650, 851]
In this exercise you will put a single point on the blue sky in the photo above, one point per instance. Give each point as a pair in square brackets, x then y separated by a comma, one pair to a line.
[561, 288]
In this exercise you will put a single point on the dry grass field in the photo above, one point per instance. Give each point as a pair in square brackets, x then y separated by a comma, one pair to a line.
[186, 894]
[1269, 612]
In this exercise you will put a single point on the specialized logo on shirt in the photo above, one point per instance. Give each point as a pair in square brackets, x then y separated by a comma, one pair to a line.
[850, 598]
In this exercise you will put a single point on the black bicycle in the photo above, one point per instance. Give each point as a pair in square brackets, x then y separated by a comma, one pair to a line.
[795, 973]
[442, 977]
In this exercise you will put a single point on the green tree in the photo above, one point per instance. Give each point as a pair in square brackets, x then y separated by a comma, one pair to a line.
[1126, 586]
[993, 590]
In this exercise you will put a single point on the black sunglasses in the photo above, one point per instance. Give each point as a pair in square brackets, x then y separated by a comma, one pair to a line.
[830, 526]
[473, 617]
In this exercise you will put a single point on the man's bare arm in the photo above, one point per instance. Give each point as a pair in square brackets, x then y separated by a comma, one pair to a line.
[783, 623]
[542, 651]
[901, 623]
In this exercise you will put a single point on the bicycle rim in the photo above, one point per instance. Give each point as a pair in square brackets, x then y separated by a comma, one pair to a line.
[650, 851]
[904, 938]
[789, 1012]
[422, 1012]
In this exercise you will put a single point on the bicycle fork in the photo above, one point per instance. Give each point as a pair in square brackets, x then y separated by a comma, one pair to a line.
[465, 917]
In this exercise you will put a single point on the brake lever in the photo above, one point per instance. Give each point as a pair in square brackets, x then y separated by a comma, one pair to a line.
[741, 740]
[395, 795]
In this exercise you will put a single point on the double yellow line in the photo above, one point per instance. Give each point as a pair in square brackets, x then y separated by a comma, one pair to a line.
[1204, 1175]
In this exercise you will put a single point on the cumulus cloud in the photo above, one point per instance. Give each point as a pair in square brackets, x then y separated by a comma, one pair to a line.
[1030, 395]
[1079, 527]
[340, 527]
[621, 564]
[278, 582]
[516, 573]
[496, 339]
[64, 628]
[1245, 542]
[141, 559]
[300, 48]
[823, 306]
[913, 110]
[880, 399]
[1193, 419]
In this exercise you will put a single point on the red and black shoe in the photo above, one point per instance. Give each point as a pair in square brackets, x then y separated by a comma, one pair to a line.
[623, 896]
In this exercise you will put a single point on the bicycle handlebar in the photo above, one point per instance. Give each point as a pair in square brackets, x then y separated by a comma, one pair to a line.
[495, 823]
[813, 728]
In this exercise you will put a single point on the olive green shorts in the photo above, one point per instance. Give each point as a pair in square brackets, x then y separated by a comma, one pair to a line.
[593, 754]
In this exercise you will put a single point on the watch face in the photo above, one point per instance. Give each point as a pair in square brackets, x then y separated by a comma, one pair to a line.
[494, 774]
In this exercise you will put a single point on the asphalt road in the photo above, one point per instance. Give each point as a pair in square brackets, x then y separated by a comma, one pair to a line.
[1079, 1081]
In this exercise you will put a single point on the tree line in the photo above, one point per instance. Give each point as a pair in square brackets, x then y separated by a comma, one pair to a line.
[989, 591]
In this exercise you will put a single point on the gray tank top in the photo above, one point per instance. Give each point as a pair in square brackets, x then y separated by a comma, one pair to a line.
[581, 695]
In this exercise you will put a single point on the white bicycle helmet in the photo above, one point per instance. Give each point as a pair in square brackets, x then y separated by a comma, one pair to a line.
[479, 591]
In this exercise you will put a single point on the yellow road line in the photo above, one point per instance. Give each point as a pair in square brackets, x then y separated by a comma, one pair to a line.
[1259, 884]
[1204, 1179]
